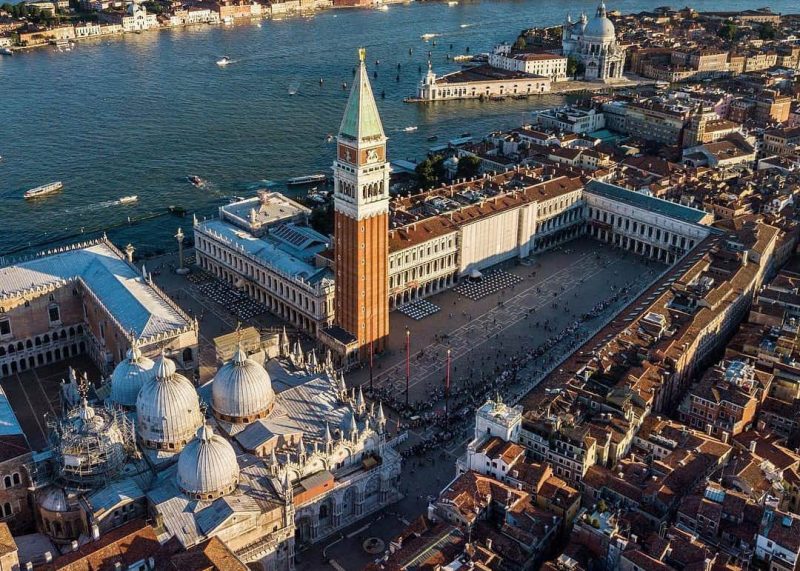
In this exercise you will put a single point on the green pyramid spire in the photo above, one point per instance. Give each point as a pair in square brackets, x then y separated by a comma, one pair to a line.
[361, 121]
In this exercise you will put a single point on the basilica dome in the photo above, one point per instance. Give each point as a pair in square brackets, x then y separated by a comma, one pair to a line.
[241, 390]
[90, 446]
[167, 409]
[129, 376]
[600, 27]
[53, 499]
[207, 467]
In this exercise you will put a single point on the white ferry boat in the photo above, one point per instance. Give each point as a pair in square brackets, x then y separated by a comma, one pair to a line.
[308, 179]
[128, 199]
[223, 61]
[44, 190]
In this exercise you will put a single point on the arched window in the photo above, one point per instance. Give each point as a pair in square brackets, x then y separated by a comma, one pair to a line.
[7, 481]
[188, 356]
[7, 511]
[16, 479]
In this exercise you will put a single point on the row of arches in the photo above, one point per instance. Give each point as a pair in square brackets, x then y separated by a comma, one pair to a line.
[16, 365]
[11, 480]
[421, 291]
[40, 340]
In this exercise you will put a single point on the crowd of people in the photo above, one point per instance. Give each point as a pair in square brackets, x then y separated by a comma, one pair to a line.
[444, 413]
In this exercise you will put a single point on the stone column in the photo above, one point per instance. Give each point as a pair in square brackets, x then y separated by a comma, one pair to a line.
[336, 514]
[359, 499]
[179, 237]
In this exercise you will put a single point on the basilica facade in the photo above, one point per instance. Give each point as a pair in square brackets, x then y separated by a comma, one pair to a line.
[594, 44]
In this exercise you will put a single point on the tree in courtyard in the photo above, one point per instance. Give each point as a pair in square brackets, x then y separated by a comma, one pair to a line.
[727, 31]
[468, 167]
[521, 43]
[575, 68]
[767, 31]
[321, 219]
[430, 171]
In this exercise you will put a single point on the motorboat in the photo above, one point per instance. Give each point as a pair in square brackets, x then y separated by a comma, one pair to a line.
[43, 190]
[6, 52]
[410, 129]
[427, 37]
[128, 199]
[307, 179]
[196, 180]
[317, 197]
[223, 61]
[433, 138]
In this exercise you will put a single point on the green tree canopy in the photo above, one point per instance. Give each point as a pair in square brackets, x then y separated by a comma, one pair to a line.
[430, 171]
[727, 31]
[767, 31]
[468, 167]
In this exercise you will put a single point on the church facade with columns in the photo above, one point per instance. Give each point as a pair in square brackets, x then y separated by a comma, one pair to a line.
[594, 44]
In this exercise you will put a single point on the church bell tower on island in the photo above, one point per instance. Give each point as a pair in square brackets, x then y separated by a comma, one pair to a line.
[361, 219]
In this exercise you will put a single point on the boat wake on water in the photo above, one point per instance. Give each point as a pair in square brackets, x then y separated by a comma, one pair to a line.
[100, 205]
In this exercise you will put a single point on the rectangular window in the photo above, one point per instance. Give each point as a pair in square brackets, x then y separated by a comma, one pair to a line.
[5, 327]
[54, 314]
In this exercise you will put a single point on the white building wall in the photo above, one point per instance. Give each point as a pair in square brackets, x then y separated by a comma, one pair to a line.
[489, 241]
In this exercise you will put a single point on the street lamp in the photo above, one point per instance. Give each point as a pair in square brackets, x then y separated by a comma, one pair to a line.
[408, 362]
[447, 392]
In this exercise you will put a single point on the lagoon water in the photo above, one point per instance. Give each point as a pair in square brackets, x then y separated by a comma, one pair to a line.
[136, 114]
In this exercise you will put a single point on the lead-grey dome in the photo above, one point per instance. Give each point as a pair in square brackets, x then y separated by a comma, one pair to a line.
[54, 499]
[600, 27]
[129, 376]
[242, 390]
[207, 467]
[167, 409]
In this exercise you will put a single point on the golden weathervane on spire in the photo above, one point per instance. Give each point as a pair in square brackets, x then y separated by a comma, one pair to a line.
[362, 54]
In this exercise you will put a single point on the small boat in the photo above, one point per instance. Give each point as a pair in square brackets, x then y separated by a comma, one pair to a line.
[384, 8]
[467, 134]
[128, 199]
[6, 52]
[317, 197]
[307, 179]
[452, 3]
[223, 61]
[427, 37]
[410, 129]
[462, 57]
[294, 88]
[43, 190]
[176, 210]
[329, 138]
[258, 25]
[196, 180]
[433, 138]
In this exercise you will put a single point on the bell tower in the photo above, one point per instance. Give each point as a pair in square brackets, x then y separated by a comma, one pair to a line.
[361, 218]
